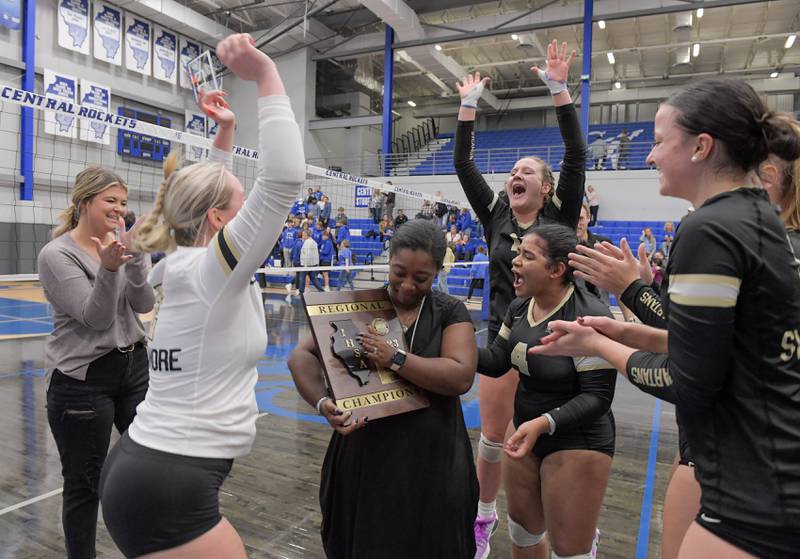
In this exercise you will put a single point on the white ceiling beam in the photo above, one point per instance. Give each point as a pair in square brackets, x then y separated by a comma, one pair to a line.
[406, 24]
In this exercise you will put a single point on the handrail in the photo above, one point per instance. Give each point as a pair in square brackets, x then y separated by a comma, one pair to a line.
[491, 160]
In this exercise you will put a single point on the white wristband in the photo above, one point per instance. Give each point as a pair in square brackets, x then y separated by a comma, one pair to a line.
[554, 86]
[319, 404]
[470, 100]
[552, 423]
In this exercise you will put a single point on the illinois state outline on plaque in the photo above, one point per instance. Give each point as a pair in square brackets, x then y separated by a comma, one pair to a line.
[137, 45]
[165, 52]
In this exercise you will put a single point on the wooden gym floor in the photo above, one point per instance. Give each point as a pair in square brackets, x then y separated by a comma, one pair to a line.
[271, 495]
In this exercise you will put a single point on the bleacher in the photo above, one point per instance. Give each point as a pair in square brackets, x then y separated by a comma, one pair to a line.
[459, 277]
[498, 150]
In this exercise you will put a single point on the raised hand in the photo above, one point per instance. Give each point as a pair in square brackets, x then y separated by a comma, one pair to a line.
[215, 107]
[239, 54]
[470, 88]
[556, 71]
[112, 254]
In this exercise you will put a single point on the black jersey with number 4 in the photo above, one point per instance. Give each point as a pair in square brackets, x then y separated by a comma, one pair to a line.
[575, 391]
[503, 232]
[733, 314]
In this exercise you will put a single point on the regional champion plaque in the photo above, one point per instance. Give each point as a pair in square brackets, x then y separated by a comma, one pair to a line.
[355, 382]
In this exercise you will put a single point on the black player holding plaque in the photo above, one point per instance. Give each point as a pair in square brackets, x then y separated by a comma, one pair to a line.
[405, 485]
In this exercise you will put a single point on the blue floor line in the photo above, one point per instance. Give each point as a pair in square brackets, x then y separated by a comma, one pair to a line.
[643, 539]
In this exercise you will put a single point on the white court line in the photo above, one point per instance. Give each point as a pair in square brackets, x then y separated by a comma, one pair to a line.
[47, 495]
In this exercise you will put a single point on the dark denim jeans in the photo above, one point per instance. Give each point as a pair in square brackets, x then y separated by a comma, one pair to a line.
[81, 414]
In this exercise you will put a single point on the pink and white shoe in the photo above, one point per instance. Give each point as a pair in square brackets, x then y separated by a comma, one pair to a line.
[484, 530]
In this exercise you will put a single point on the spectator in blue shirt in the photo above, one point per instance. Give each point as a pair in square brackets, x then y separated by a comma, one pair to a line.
[325, 254]
[465, 223]
[316, 234]
[287, 241]
[340, 216]
[462, 250]
[342, 232]
[345, 259]
[318, 193]
[477, 272]
[297, 246]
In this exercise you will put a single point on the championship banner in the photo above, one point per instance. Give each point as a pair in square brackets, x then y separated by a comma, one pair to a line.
[188, 52]
[70, 109]
[165, 55]
[212, 129]
[10, 14]
[137, 45]
[98, 97]
[73, 25]
[195, 125]
[64, 88]
[107, 33]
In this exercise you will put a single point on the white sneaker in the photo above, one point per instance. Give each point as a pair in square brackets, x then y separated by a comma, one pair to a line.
[289, 287]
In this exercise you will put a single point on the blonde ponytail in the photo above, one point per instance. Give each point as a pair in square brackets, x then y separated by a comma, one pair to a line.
[179, 213]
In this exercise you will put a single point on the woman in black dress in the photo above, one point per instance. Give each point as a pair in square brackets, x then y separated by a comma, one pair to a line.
[403, 486]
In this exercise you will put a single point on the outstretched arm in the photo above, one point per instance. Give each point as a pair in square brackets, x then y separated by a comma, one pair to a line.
[568, 195]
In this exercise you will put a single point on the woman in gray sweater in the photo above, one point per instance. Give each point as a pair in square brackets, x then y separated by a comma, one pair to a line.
[95, 357]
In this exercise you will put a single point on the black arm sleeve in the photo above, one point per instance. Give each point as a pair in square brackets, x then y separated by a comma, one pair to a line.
[594, 399]
[649, 372]
[495, 360]
[479, 193]
[568, 196]
[645, 303]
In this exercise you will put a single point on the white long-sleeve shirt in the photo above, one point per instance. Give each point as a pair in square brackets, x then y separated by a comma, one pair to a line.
[309, 254]
[209, 330]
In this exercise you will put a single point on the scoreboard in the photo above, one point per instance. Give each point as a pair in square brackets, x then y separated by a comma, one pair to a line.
[134, 144]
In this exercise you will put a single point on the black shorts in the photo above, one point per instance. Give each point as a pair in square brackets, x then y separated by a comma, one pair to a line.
[599, 435]
[761, 541]
[153, 500]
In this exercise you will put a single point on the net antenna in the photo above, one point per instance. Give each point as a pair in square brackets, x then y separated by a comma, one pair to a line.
[203, 74]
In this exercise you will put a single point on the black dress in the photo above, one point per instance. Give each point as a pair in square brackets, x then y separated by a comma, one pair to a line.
[405, 486]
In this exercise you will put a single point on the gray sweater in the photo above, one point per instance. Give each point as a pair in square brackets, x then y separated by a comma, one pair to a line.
[94, 310]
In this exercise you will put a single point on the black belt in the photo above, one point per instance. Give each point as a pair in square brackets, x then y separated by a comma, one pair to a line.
[130, 348]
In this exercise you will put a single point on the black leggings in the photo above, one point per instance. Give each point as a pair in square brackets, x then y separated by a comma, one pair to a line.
[81, 414]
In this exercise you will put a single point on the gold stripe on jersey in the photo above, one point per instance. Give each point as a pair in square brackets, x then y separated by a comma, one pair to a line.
[556, 201]
[226, 251]
[704, 290]
[504, 332]
[585, 364]
[561, 303]
[495, 198]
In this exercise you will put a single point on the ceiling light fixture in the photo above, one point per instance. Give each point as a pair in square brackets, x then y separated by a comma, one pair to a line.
[700, 12]
[618, 85]
[601, 24]
[774, 74]
[695, 49]
[611, 59]
[438, 47]
[412, 103]
[789, 41]
[514, 36]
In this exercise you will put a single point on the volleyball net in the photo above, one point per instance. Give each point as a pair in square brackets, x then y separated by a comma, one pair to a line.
[63, 137]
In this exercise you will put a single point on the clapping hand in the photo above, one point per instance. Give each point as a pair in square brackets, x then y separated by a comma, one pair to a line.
[112, 253]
